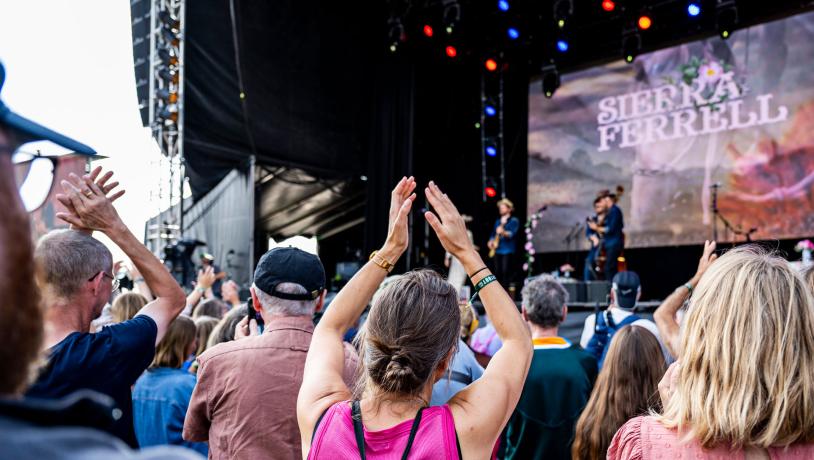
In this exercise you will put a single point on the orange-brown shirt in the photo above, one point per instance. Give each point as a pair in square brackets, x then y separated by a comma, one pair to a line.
[245, 401]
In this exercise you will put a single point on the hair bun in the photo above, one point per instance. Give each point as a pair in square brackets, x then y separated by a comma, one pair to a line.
[399, 374]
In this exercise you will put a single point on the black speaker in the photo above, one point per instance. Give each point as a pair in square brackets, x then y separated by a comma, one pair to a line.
[597, 291]
[576, 291]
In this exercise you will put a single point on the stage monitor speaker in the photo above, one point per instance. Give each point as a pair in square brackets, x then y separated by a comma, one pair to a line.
[576, 291]
[597, 291]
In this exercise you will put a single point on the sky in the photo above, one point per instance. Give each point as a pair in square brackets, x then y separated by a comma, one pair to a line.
[69, 66]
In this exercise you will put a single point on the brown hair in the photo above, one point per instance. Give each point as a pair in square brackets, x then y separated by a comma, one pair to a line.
[626, 387]
[172, 350]
[204, 325]
[412, 326]
[212, 307]
[224, 331]
[126, 306]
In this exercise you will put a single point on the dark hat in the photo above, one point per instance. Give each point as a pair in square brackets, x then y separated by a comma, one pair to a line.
[290, 265]
[30, 131]
[627, 285]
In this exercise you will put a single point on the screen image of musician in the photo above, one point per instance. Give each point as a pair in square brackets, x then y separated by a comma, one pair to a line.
[594, 238]
[607, 230]
[502, 244]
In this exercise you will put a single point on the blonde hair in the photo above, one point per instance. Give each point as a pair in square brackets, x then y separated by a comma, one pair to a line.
[172, 350]
[747, 356]
[126, 306]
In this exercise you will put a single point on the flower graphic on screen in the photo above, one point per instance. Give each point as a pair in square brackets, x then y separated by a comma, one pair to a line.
[710, 73]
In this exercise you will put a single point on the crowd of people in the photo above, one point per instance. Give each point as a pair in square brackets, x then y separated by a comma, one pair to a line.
[169, 374]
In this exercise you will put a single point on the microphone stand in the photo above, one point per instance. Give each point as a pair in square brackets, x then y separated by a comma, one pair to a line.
[716, 213]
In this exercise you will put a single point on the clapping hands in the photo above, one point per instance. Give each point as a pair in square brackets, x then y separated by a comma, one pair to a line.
[89, 203]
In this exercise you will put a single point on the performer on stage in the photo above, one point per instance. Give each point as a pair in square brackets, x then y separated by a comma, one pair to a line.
[611, 232]
[589, 274]
[501, 242]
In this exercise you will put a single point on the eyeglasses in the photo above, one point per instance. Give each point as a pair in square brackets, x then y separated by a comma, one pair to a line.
[34, 175]
[114, 282]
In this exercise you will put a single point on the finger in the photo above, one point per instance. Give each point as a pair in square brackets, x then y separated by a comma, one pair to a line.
[93, 174]
[101, 182]
[74, 195]
[94, 188]
[69, 218]
[404, 210]
[434, 222]
[436, 199]
[253, 328]
[409, 187]
[398, 187]
[65, 201]
[109, 187]
[117, 195]
[78, 182]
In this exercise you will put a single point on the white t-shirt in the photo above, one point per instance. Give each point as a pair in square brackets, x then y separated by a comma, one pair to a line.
[618, 315]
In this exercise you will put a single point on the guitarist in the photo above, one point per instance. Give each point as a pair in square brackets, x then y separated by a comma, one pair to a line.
[502, 241]
[594, 238]
[611, 231]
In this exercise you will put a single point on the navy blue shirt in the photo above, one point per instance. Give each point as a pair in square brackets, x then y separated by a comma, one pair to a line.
[614, 224]
[109, 361]
[506, 244]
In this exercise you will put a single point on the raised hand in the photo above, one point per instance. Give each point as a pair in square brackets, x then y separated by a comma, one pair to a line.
[89, 207]
[206, 278]
[448, 224]
[707, 258]
[401, 201]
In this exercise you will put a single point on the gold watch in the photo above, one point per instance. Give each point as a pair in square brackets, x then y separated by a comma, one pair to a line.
[381, 261]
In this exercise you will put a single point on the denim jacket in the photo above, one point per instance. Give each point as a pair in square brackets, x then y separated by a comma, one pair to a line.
[160, 401]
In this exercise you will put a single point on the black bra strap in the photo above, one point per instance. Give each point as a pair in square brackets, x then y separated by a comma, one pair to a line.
[359, 430]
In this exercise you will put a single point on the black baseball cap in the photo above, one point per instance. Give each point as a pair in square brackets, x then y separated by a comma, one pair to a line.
[627, 285]
[30, 131]
[290, 265]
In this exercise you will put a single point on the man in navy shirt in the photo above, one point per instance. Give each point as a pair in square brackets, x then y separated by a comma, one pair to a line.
[77, 281]
[612, 237]
[505, 228]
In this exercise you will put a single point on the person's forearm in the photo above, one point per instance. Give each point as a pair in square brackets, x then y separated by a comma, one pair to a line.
[666, 319]
[141, 287]
[155, 274]
[192, 300]
[500, 308]
[355, 296]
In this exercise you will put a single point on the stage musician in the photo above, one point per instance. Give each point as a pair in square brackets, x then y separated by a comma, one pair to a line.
[610, 231]
[594, 238]
[502, 241]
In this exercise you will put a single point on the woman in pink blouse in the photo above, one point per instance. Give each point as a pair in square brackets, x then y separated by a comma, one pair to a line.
[744, 388]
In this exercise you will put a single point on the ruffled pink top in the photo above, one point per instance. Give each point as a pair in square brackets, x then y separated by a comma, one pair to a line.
[644, 438]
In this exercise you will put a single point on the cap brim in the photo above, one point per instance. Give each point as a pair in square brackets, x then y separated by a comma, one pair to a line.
[36, 132]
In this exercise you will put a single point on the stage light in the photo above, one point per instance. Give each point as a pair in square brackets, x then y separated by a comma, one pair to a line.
[726, 18]
[491, 65]
[513, 33]
[563, 10]
[491, 150]
[167, 96]
[428, 30]
[169, 113]
[169, 20]
[693, 9]
[490, 191]
[452, 15]
[645, 22]
[490, 110]
[167, 57]
[550, 80]
[168, 75]
[393, 47]
[477, 125]
[562, 45]
[608, 5]
[631, 46]
[503, 5]
[561, 23]
[395, 35]
[451, 51]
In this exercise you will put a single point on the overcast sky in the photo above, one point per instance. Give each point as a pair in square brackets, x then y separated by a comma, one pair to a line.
[69, 66]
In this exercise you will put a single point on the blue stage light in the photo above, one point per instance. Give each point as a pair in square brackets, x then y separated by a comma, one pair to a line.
[489, 110]
[562, 45]
[503, 5]
[693, 9]
[491, 151]
[513, 33]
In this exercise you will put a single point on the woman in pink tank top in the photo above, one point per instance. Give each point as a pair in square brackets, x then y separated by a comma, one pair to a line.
[405, 346]
[744, 388]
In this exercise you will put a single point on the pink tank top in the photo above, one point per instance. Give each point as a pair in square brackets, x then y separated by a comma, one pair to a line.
[434, 439]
